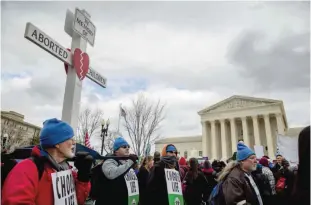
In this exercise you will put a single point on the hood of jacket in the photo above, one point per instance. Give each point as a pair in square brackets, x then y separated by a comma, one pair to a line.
[37, 151]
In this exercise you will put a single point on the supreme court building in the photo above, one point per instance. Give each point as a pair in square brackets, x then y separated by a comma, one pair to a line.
[256, 121]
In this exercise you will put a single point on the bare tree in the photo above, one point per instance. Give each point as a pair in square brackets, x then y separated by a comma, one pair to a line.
[89, 122]
[142, 122]
[13, 136]
[109, 141]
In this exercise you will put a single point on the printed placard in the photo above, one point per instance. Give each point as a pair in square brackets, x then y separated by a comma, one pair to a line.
[132, 187]
[64, 188]
[173, 184]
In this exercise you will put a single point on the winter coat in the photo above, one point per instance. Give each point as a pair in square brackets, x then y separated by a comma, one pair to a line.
[196, 190]
[22, 185]
[142, 176]
[183, 169]
[237, 188]
[156, 186]
[210, 175]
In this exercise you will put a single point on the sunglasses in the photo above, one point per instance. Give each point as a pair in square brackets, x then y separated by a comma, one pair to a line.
[124, 147]
[172, 152]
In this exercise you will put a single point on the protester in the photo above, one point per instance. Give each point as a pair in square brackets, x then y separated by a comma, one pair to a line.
[114, 190]
[183, 167]
[196, 185]
[156, 157]
[301, 189]
[268, 173]
[143, 176]
[238, 185]
[156, 187]
[263, 184]
[211, 175]
[24, 185]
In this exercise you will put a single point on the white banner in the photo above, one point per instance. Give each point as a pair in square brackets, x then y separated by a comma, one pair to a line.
[259, 151]
[64, 188]
[132, 187]
[174, 189]
[288, 148]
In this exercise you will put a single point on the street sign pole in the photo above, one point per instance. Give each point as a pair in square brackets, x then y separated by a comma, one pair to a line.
[72, 96]
[82, 30]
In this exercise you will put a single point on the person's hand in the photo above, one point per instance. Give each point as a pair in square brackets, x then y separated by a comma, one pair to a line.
[134, 158]
[83, 163]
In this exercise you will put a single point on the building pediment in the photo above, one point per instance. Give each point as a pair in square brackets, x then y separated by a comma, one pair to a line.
[238, 102]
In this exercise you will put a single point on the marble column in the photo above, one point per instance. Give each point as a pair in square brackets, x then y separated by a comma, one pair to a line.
[204, 138]
[245, 131]
[256, 130]
[269, 136]
[213, 140]
[234, 140]
[223, 133]
[280, 123]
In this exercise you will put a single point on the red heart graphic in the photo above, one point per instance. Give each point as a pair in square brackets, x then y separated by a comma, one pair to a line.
[81, 63]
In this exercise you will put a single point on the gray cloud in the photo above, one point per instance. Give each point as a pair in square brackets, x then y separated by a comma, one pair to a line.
[283, 65]
[177, 49]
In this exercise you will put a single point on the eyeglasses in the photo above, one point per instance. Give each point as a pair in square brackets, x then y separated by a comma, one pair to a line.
[124, 147]
[172, 152]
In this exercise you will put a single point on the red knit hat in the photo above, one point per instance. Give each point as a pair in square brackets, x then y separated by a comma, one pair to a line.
[182, 161]
[264, 162]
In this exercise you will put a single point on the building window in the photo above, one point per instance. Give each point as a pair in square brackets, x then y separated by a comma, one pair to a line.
[185, 154]
[200, 153]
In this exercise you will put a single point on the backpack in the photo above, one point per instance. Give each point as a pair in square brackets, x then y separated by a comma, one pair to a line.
[216, 197]
[280, 185]
[98, 180]
[8, 164]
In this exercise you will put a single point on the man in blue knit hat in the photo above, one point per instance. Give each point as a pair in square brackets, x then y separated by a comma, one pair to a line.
[30, 181]
[238, 185]
[119, 176]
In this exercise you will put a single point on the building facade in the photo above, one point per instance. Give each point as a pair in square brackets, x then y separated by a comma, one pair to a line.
[256, 121]
[14, 126]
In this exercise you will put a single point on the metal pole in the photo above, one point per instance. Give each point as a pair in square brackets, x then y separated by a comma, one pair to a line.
[102, 135]
[119, 117]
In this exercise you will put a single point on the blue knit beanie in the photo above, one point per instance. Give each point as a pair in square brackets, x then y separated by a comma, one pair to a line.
[171, 148]
[55, 131]
[119, 142]
[243, 152]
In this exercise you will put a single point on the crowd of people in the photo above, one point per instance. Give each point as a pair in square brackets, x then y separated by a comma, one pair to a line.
[123, 179]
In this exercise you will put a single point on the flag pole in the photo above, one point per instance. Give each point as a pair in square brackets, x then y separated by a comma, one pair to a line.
[119, 117]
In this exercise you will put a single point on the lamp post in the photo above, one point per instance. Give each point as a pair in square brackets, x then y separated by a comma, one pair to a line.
[104, 132]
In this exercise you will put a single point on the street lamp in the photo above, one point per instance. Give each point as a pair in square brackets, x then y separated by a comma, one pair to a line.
[104, 132]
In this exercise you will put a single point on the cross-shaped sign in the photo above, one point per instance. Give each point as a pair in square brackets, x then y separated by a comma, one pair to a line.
[82, 30]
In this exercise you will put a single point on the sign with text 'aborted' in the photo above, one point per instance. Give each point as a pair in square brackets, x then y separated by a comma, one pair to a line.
[38, 37]
[35, 35]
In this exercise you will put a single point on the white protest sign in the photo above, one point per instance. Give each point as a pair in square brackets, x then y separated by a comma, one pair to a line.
[174, 189]
[288, 148]
[132, 187]
[64, 188]
[259, 151]
[38, 37]
[84, 27]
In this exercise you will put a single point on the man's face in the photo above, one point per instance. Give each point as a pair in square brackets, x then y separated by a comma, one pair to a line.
[279, 159]
[250, 164]
[123, 151]
[171, 153]
[66, 148]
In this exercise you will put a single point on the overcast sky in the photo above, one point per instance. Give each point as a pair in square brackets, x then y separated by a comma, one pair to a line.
[188, 54]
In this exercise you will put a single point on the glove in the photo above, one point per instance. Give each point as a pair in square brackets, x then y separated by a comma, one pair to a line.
[83, 163]
[134, 158]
